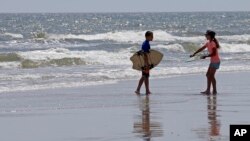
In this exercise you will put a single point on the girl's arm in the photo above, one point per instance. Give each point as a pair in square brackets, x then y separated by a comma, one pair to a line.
[210, 55]
[199, 50]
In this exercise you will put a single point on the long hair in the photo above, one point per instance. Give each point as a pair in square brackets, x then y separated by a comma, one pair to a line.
[216, 42]
[212, 35]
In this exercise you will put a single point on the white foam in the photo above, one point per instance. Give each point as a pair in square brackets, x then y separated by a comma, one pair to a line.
[53, 86]
[91, 57]
[113, 58]
[14, 35]
[172, 47]
[197, 39]
[107, 58]
[17, 77]
[159, 36]
[166, 71]
[234, 48]
[225, 48]
[138, 37]
[9, 65]
[236, 38]
[49, 54]
[119, 36]
[125, 36]
[21, 82]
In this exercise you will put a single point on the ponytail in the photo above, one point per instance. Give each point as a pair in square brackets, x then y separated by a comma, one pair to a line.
[216, 42]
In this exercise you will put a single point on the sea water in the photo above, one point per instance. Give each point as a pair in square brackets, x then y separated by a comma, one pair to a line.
[41, 51]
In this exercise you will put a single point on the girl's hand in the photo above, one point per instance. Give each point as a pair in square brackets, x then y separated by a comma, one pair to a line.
[192, 55]
[203, 57]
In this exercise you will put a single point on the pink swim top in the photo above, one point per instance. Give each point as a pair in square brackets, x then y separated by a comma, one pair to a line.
[210, 46]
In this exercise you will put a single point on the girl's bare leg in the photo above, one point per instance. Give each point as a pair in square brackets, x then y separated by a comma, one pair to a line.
[209, 82]
[213, 71]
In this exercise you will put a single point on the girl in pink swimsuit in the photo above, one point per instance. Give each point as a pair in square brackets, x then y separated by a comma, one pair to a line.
[212, 46]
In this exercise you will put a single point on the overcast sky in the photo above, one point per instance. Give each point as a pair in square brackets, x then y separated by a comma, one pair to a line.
[15, 6]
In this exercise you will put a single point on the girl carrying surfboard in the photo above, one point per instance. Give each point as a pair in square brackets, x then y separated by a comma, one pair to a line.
[212, 45]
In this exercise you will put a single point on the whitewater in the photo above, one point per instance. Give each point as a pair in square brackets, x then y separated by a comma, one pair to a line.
[41, 51]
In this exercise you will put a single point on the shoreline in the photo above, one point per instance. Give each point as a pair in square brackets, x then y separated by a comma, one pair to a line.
[114, 82]
[175, 111]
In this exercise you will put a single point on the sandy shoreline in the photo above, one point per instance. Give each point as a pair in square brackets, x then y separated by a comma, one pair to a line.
[176, 111]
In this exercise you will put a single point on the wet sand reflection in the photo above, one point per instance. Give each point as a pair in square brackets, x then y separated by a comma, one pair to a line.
[212, 117]
[212, 132]
[144, 127]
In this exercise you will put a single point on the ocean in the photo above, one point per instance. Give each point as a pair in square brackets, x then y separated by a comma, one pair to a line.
[44, 51]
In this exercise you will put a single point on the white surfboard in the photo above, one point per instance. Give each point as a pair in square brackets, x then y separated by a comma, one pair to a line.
[154, 58]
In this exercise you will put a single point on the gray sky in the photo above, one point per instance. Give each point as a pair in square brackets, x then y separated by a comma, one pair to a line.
[7, 6]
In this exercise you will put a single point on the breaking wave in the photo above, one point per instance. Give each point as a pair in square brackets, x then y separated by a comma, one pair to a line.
[63, 57]
[138, 36]
[191, 47]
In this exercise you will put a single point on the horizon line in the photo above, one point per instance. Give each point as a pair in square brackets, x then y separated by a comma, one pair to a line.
[90, 12]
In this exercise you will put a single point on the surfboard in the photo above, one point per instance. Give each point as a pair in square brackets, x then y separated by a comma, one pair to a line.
[154, 58]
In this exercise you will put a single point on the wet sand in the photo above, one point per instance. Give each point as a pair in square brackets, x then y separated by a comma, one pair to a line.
[174, 112]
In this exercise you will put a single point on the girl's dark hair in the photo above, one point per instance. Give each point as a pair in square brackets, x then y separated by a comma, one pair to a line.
[216, 42]
[212, 35]
[148, 33]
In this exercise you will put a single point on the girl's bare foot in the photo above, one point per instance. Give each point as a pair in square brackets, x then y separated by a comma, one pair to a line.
[215, 92]
[148, 93]
[137, 92]
[206, 92]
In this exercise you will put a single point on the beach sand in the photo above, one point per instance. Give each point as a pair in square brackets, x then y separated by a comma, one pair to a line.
[174, 112]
